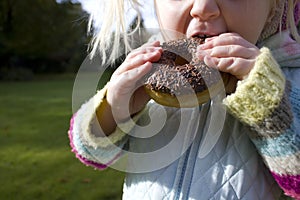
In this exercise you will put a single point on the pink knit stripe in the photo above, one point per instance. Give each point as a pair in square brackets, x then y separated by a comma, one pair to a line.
[289, 183]
[83, 159]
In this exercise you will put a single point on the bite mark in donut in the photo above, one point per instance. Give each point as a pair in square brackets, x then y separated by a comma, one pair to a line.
[180, 79]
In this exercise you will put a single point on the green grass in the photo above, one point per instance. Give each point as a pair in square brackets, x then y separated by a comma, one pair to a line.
[35, 157]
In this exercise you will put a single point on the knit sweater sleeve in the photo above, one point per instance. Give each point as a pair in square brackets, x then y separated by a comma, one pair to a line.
[270, 105]
[88, 142]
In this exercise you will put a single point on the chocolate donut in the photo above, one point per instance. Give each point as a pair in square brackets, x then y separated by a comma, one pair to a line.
[180, 79]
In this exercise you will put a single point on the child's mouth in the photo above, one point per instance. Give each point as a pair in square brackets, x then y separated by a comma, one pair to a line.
[201, 36]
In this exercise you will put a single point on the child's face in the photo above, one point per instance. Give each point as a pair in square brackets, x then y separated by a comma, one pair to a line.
[213, 17]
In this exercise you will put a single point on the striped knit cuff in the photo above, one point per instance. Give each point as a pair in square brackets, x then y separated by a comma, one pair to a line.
[87, 140]
[90, 130]
[83, 159]
[257, 96]
[289, 183]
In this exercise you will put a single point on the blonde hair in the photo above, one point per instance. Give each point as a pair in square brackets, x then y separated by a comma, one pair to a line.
[290, 20]
[115, 38]
[113, 30]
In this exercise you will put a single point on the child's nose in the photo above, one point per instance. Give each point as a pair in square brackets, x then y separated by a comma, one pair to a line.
[204, 10]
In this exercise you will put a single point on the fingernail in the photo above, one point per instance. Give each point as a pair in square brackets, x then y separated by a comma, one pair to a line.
[201, 47]
[209, 61]
[156, 42]
[210, 38]
[200, 54]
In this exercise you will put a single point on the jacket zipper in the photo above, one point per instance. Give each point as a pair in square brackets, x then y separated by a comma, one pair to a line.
[193, 149]
[178, 191]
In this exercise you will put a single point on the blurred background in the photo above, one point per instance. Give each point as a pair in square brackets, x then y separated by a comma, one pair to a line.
[42, 45]
[41, 36]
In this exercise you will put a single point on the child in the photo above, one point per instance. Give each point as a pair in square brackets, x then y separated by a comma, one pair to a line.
[257, 154]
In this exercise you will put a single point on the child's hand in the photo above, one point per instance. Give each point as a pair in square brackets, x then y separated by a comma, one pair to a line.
[230, 53]
[125, 93]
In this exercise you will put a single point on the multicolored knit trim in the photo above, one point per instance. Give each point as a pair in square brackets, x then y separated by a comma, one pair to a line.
[84, 160]
[289, 184]
[260, 93]
[275, 147]
[295, 93]
[266, 102]
[287, 165]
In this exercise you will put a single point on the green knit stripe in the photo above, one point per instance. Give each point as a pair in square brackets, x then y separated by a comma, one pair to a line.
[260, 93]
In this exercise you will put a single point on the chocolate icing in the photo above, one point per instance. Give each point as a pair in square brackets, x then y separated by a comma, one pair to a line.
[178, 71]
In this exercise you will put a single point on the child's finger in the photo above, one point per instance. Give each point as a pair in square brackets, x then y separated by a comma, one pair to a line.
[234, 51]
[124, 88]
[137, 73]
[129, 79]
[225, 39]
[148, 47]
[143, 51]
[238, 67]
[138, 61]
[155, 44]
[209, 61]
